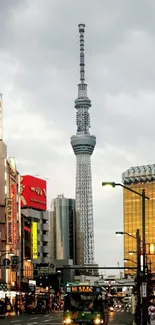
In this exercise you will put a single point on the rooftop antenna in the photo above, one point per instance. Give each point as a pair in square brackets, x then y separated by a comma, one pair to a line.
[82, 87]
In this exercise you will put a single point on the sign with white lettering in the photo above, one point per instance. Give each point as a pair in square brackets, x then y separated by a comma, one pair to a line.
[9, 222]
[33, 192]
[144, 289]
[14, 202]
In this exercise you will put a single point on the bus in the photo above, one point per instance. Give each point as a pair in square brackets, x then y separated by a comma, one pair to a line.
[84, 304]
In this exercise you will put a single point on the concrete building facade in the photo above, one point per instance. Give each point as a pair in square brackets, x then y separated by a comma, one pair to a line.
[10, 215]
[43, 238]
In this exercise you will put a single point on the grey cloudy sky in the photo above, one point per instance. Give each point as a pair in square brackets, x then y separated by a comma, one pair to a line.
[39, 57]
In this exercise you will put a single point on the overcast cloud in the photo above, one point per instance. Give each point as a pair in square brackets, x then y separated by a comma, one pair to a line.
[39, 73]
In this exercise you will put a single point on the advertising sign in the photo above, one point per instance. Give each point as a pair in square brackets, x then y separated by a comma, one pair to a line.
[1, 119]
[33, 193]
[13, 196]
[34, 240]
[9, 222]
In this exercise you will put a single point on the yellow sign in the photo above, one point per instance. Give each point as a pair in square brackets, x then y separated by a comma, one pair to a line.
[34, 240]
[9, 222]
[85, 289]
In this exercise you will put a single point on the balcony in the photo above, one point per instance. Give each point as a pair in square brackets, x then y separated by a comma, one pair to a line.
[46, 238]
[46, 216]
[45, 226]
[45, 260]
[45, 249]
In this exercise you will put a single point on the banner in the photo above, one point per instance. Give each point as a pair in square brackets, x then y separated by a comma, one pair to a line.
[14, 202]
[34, 240]
[9, 222]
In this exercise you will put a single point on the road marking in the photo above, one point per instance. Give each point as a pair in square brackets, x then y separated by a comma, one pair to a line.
[34, 318]
[15, 321]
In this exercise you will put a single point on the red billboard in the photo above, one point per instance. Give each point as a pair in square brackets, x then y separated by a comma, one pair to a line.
[33, 192]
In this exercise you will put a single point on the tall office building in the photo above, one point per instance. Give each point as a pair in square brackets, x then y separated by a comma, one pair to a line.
[83, 146]
[138, 178]
[62, 227]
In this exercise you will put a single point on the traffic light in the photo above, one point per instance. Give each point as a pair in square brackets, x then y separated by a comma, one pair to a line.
[42, 280]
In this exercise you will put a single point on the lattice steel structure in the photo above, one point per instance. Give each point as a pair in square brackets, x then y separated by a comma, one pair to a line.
[83, 146]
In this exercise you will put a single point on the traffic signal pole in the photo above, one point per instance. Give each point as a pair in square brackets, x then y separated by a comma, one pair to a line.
[138, 320]
[16, 299]
[144, 283]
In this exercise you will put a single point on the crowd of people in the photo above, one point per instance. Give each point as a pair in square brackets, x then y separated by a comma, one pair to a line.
[151, 313]
[31, 304]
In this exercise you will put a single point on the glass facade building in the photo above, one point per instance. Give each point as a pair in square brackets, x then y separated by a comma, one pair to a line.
[138, 178]
[63, 228]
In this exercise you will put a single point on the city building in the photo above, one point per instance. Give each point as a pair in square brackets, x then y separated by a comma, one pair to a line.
[83, 146]
[9, 214]
[35, 222]
[63, 229]
[10, 218]
[138, 178]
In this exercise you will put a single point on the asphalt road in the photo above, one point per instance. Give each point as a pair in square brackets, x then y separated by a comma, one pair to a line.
[121, 318]
[56, 319]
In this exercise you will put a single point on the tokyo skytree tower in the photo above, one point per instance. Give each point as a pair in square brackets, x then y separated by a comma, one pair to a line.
[83, 146]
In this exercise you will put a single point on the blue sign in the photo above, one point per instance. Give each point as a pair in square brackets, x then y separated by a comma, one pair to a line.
[6, 262]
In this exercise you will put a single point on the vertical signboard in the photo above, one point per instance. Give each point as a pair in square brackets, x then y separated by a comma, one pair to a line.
[1, 118]
[14, 203]
[34, 240]
[9, 222]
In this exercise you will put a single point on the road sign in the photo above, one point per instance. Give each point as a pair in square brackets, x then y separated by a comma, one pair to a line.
[6, 262]
[144, 289]
[46, 270]
[51, 266]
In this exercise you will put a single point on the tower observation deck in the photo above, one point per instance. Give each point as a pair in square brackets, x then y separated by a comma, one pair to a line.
[83, 146]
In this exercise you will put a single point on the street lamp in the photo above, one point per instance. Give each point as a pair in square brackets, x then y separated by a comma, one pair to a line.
[10, 252]
[129, 260]
[118, 233]
[132, 252]
[144, 197]
[144, 284]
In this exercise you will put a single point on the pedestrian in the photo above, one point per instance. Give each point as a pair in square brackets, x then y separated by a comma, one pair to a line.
[151, 313]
